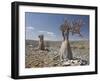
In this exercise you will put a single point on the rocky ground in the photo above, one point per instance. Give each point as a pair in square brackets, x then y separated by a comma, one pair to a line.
[50, 57]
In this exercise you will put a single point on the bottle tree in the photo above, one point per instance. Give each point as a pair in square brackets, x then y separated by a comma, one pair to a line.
[67, 27]
[41, 42]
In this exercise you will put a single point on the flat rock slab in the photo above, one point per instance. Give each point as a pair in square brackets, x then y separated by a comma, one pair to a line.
[66, 64]
[73, 63]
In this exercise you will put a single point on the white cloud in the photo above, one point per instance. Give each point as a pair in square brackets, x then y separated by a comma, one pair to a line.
[47, 33]
[42, 31]
[50, 33]
[30, 28]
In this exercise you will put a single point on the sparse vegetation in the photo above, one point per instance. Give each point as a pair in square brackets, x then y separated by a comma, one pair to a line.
[50, 58]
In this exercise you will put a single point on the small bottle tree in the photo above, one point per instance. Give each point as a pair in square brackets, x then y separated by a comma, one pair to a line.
[41, 42]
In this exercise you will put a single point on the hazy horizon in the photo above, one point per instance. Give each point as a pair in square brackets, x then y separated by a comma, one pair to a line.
[54, 40]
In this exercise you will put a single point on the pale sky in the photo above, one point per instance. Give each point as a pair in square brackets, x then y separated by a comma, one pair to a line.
[48, 24]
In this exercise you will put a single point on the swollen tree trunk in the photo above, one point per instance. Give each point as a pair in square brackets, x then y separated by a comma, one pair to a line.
[70, 55]
[65, 50]
[41, 42]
